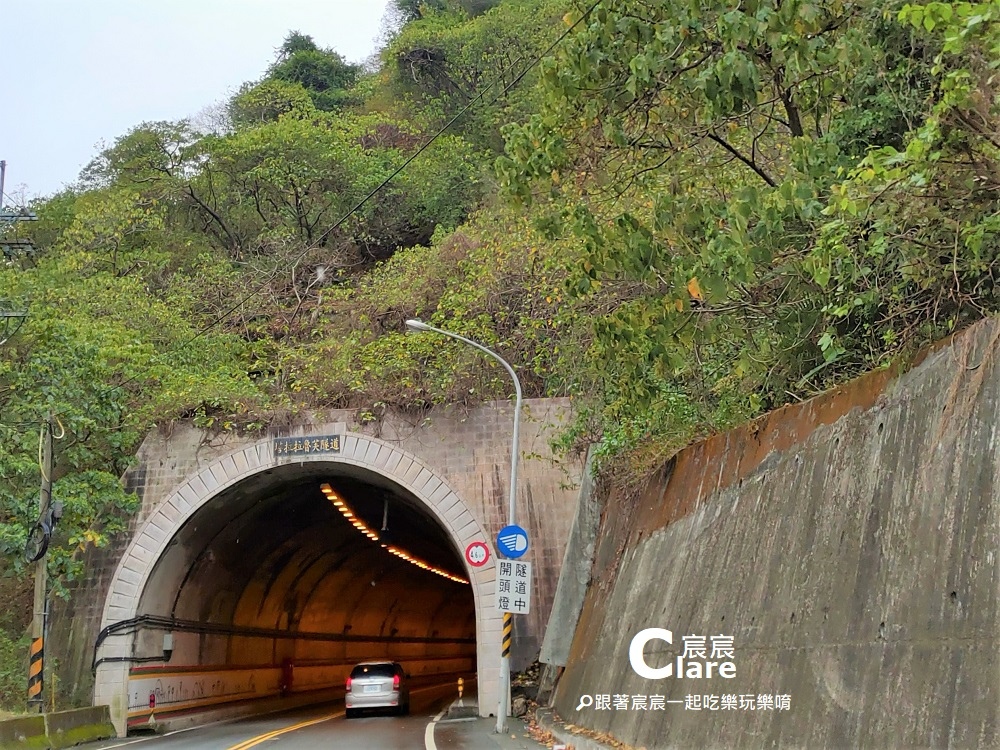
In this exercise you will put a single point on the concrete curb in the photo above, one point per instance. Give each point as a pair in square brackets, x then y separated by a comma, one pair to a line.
[456, 711]
[23, 732]
[545, 719]
[57, 730]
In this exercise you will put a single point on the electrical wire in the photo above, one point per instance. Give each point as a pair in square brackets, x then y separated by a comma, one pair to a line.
[47, 426]
[41, 443]
[11, 203]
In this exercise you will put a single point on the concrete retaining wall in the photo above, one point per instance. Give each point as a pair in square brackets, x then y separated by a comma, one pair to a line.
[848, 545]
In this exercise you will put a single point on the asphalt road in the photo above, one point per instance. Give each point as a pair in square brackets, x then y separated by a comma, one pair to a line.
[310, 729]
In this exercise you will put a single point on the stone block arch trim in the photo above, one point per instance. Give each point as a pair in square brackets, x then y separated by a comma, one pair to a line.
[399, 466]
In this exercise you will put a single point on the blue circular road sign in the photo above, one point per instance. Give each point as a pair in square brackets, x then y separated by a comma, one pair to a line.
[512, 541]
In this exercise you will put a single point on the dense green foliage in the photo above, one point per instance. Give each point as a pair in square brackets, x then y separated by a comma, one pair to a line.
[302, 72]
[710, 211]
[113, 293]
[13, 667]
[764, 177]
[447, 60]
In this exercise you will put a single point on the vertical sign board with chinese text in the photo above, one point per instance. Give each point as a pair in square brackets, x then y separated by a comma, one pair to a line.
[514, 586]
[301, 446]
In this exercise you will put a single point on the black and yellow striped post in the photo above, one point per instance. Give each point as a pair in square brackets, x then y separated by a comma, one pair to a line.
[508, 629]
[35, 666]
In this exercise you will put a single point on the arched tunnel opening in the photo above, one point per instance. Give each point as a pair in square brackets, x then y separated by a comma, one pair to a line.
[282, 582]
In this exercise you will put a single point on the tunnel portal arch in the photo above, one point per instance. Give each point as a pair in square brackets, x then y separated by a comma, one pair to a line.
[398, 466]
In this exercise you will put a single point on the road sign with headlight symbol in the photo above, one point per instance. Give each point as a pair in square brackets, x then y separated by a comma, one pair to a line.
[512, 541]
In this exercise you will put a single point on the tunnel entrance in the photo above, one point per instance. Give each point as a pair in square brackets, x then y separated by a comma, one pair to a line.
[272, 582]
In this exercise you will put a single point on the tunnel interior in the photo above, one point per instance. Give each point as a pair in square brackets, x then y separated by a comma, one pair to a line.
[274, 570]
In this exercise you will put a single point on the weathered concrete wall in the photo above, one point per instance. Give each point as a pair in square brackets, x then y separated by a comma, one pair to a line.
[56, 730]
[469, 448]
[575, 575]
[75, 623]
[849, 547]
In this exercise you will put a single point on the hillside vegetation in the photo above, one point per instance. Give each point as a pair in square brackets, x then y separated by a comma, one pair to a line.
[684, 215]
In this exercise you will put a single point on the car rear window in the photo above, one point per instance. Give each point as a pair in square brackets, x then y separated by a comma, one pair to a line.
[373, 670]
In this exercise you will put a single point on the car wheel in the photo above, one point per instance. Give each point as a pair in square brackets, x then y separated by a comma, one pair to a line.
[350, 713]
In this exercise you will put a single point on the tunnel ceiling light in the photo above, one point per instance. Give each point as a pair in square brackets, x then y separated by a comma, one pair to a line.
[357, 523]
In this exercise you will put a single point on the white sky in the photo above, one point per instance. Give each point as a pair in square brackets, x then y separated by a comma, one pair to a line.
[78, 72]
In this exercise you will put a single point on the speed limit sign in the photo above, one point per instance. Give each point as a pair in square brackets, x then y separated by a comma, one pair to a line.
[478, 554]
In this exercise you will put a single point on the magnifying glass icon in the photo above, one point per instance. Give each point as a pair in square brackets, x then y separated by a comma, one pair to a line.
[585, 701]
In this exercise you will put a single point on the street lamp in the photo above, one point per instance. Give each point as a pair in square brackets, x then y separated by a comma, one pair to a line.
[419, 325]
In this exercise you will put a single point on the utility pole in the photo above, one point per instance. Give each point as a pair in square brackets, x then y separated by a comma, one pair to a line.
[36, 667]
[10, 322]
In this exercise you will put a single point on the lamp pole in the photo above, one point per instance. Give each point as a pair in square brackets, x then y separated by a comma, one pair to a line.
[503, 706]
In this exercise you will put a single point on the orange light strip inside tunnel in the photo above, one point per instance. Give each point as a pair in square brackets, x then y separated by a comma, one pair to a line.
[340, 504]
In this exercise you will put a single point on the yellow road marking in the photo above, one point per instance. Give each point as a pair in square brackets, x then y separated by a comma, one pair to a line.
[254, 741]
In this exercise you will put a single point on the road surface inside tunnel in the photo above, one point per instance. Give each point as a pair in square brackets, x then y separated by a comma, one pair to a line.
[284, 581]
[322, 726]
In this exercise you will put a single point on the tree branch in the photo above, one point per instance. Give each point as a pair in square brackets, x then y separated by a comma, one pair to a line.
[234, 243]
[749, 162]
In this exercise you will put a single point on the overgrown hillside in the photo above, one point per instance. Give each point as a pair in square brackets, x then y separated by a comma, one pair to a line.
[683, 215]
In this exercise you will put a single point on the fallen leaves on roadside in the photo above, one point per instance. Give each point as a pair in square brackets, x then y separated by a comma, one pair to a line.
[545, 737]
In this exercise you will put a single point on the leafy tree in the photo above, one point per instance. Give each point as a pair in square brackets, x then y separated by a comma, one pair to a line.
[446, 58]
[413, 10]
[294, 43]
[287, 183]
[259, 103]
[153, 152]
[324, 74]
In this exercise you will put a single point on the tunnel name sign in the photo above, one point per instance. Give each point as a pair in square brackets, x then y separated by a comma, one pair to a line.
[303, 445]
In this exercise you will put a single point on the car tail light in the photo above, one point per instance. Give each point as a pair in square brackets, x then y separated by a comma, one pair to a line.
[395, 682]
[347, 685]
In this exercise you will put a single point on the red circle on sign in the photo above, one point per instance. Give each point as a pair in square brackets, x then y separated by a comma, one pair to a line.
[478, 554]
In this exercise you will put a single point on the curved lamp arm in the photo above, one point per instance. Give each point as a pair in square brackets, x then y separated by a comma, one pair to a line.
[419, 325]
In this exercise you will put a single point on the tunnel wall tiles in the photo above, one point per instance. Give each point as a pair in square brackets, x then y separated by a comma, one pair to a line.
[849, 548]
[457, 461]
